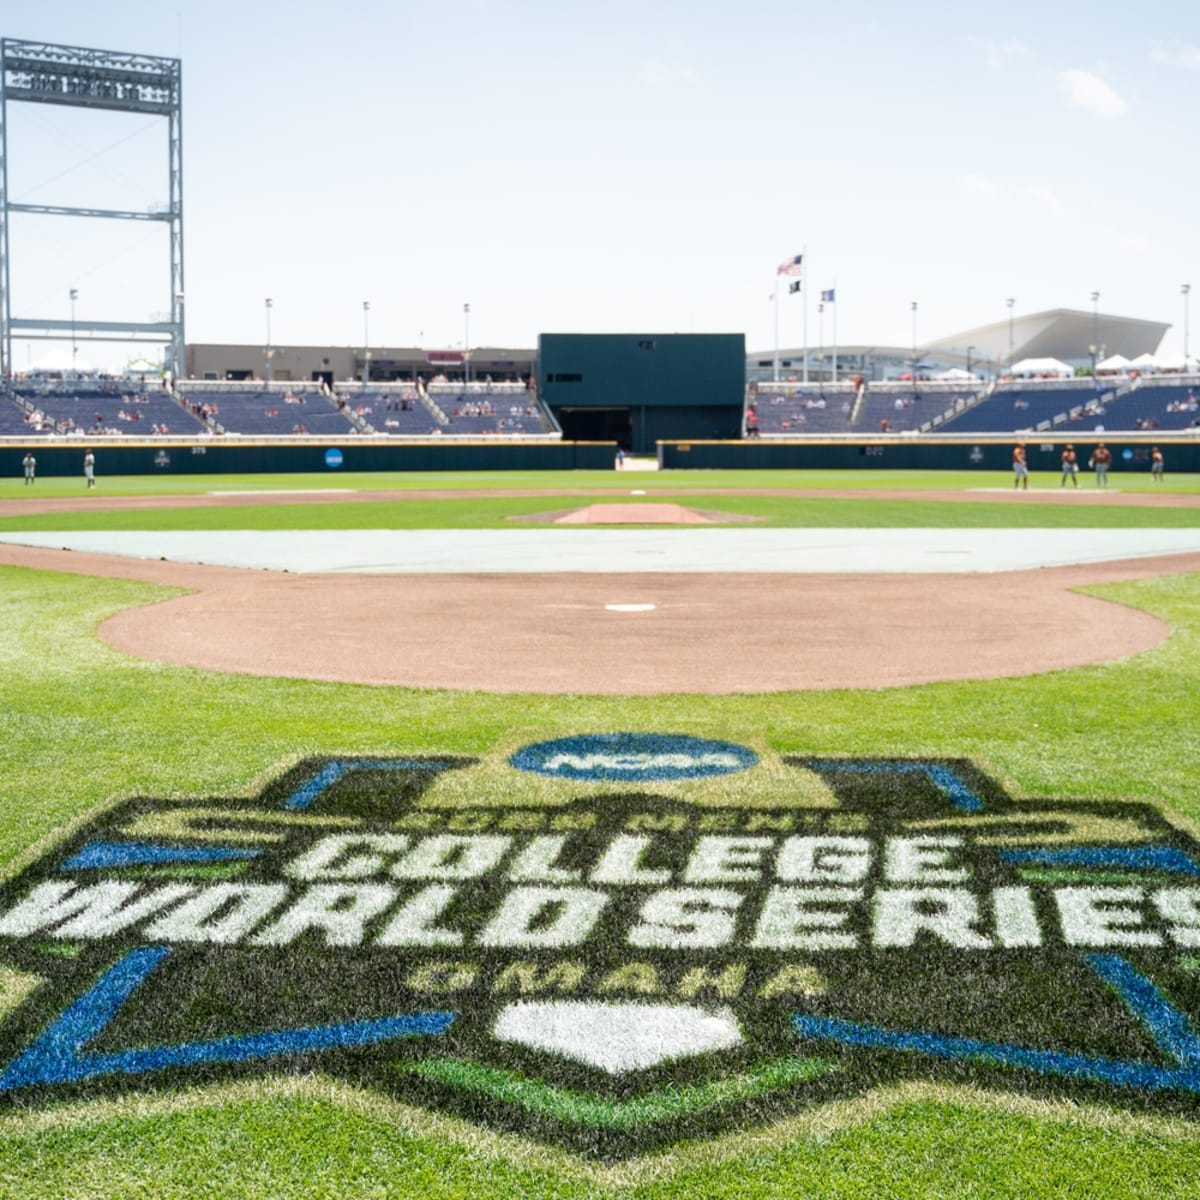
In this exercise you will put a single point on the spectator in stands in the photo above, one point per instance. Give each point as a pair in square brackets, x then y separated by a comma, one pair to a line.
[30, 465]
[1070, 467]
[1156, 465]
[1020, 467]
[1100, 460]
[751, 422]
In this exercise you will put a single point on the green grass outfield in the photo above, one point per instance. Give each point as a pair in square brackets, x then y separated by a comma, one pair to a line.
[81, 724]
[566, 490]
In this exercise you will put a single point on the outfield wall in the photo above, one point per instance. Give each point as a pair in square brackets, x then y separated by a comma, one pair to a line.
[1131, 452]
[217, 456]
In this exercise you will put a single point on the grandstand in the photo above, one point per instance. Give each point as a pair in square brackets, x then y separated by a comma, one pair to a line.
[1124, 404]
[95, 407]
[266, 410]
[791, 409]
[128, 407]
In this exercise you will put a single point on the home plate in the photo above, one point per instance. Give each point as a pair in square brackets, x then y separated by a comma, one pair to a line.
[618, 1037]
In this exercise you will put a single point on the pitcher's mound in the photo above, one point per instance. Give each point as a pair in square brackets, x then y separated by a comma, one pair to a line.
[634, 514]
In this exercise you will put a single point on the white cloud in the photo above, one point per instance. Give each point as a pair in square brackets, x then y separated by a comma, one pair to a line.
[1119, 239]
[1177, 54]
[975, 184]
[999, 54]
[1087, 91]
[1023, 196]
[667, 74]
[1047, 199]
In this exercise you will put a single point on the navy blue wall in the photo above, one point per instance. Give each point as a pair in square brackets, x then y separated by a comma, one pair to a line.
[216, 457]
[905, 455]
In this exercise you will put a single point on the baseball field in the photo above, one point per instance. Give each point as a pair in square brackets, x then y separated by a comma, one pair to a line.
[595, 986]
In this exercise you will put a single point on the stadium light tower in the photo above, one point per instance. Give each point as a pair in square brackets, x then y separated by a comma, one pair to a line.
[120, 84]
[1010, 302]
[270, 351]
[914, 345]
[366, 343]
[466, 343]
[74, 345]
[1186, 290]
[969, 349]
[1096, 318]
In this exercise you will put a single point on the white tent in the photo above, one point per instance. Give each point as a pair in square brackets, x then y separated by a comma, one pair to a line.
[1042, 367]
[1144, 362]
[143, 366]
[59, 359]
[954, 373]
[1175, 362]
[1112, 364]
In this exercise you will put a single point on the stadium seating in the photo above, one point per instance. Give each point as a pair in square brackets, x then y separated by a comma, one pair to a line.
[390, 408]
[902, 407]
[16, 420]
[109, 407]
[484, 408]
[1121, 404]
[789, 408]
[268, 410]
[278, 409]
[1156, 403]
[1017, 408]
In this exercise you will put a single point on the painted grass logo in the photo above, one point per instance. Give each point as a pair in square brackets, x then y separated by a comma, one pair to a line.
[645, 758]
[612, 942]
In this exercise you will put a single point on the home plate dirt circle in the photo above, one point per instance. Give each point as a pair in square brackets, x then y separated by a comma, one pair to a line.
[704, 633]
[614, 633]
[553, 634]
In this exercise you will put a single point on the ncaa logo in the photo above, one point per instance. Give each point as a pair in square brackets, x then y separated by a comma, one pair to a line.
[633, 758]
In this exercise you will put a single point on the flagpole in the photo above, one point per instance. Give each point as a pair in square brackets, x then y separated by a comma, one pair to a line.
[820, 341]
[835, 331]
[805, 272]
[775, 297]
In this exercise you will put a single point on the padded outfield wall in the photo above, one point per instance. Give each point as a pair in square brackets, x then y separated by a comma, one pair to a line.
[1131, 452]
[213, 456]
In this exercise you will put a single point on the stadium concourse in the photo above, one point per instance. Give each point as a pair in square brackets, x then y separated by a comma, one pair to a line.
[624, 611]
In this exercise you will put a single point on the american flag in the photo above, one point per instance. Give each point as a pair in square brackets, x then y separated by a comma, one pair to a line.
[829, 296]
[791, 266]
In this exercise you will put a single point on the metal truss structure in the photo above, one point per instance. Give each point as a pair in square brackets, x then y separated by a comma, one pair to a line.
[41, 73]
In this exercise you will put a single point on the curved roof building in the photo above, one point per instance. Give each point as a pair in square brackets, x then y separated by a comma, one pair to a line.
[1071, 335]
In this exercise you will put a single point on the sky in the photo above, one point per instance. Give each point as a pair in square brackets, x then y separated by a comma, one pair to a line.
[626, 166]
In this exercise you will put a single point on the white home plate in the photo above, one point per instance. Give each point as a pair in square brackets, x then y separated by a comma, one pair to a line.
[618, 1037]
[630, 607]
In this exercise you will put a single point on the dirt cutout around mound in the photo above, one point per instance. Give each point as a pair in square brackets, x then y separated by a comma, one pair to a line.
[634, 514]
[619, 634]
